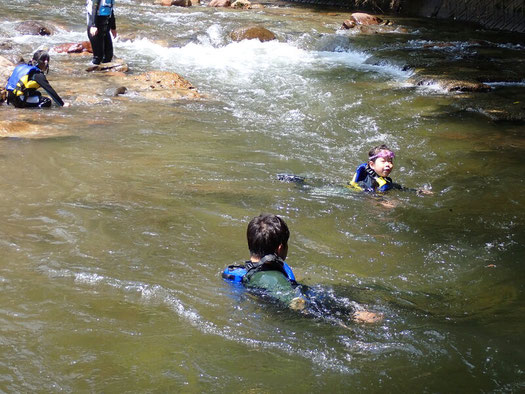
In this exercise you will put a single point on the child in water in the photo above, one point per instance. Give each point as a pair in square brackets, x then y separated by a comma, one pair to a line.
[23, 84]
[373, 176]
[267, 274]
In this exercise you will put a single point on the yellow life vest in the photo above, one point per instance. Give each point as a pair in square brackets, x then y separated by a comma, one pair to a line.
[24, 85]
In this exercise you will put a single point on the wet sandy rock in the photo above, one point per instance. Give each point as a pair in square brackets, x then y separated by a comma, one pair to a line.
[251, 33]
[34, 28]
[219, 3]
[72, 47]
[360, 18]
[161, 85]
[117, 65]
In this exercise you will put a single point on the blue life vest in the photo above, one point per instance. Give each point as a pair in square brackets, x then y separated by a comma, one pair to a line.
[236, 273]
[19, 72]
[105, 8]
[361, 174]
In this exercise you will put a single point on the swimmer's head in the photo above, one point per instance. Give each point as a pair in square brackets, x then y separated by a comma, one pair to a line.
[381, 160]
[268, 234]
[41, 60]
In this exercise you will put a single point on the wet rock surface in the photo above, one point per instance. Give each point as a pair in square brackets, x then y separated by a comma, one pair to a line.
[116, 65]
[160, 85]
[219, 3]
[473, 72]
[34, 28]
[251, 33]
[361, 19]
[72, 47]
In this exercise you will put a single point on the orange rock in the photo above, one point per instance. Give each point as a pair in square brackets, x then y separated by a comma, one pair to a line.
[360, 18]
[72, 47]
[252, 32]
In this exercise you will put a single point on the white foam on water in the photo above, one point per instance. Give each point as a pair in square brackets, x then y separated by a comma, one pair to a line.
[249, 64]
[505, 84]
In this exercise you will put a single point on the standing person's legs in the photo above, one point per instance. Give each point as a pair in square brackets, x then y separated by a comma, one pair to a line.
[97, 45]
[108, 47]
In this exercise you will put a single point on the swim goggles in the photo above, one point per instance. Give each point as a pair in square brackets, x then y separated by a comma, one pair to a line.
[384, 154]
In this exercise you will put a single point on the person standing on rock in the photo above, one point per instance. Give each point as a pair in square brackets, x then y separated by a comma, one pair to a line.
[23, 84]
[100, 22]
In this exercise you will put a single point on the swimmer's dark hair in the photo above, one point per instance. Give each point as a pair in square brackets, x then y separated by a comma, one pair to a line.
[40, 56]
[376, 149]
[265, 233]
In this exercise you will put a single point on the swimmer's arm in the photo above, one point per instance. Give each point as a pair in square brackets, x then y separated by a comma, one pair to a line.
[41, 79]
[419, 192]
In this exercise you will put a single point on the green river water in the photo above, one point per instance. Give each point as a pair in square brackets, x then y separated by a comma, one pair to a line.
[116, 224]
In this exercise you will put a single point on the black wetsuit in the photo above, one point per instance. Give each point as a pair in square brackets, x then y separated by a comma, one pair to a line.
[33, 98]
[101, 42]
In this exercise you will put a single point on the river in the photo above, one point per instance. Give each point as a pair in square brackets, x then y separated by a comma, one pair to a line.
[115, 227]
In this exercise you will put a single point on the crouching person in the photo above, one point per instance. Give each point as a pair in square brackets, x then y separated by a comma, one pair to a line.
[23, 84]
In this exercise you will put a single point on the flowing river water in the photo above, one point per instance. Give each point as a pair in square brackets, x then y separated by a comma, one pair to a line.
[115, 228]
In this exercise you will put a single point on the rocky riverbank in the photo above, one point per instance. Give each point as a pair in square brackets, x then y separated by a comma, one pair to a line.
[472, 72]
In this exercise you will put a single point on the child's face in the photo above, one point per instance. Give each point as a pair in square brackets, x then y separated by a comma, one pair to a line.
[383, 166]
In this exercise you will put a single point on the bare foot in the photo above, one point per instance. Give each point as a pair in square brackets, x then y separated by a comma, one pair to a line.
[388, 204]
[367, 317]
[298, 304]
[421, 192]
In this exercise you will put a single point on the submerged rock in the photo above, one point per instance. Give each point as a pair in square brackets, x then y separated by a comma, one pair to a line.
[34, 28]
[25, 129]
[161, 85]
[450, 85]
[115, 66]
[251, 33]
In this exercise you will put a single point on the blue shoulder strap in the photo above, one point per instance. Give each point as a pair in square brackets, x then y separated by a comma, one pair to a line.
[360, 173]
[289, 272]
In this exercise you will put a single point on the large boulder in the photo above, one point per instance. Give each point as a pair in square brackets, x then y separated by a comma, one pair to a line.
[219, 3]
[361, 18]
[34, 28]
[6, 68]
[251, 33]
